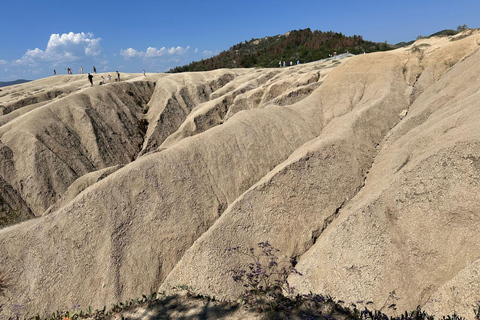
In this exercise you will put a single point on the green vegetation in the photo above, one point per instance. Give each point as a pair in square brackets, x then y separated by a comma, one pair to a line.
[302, 45]
[444, 33]
[298, 45]
[461, 28]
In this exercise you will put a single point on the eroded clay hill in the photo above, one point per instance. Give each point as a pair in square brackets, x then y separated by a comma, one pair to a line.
[365, 168]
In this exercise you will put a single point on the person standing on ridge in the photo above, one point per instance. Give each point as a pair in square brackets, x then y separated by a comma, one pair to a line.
[90, 78]
[81, 70]
[94, 70]
[54, 72]
[118, 76]
[144, 73]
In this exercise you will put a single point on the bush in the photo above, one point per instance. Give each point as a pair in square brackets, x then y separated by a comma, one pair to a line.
[265, 279]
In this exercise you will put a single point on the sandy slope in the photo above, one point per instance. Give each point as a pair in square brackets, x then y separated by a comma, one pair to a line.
[365, 168]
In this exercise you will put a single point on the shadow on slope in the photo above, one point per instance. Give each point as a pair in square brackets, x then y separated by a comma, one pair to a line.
[185, 307]
[45, 150]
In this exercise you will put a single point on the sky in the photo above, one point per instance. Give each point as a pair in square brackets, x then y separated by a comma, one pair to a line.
[37, 37]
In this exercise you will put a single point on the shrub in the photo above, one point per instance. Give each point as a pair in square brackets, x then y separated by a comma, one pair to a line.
[265, 278]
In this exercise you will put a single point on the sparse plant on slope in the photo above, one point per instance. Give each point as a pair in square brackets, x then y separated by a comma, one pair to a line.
[265, 278]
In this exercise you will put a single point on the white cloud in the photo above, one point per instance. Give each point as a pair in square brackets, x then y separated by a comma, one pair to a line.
[130, 53]
[63, 48]
[3, 62]
[196, 51]
[178, 50]
[153, 52]
[207, 53]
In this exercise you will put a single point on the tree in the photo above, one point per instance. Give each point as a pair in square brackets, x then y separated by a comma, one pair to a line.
[461, 28]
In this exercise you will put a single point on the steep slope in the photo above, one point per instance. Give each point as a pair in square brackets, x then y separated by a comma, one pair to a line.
[414, 227]
[360, 102]
[404, 236]
[174, 99]
[121, 236]
[249, 91]
[364, 168]
[48, 148]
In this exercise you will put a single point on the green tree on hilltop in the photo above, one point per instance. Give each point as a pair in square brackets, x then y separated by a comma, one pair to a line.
[304, 45]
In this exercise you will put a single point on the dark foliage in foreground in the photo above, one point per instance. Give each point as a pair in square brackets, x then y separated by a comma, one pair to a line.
[265, 280]
[267, 293]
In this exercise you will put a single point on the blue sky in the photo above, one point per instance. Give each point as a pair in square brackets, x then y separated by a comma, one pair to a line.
[37, 36]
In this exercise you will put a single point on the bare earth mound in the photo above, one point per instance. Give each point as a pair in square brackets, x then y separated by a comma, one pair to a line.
[366, 168]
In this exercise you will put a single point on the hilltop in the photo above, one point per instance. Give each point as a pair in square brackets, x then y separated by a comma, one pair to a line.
[364, 168]
[297, 45]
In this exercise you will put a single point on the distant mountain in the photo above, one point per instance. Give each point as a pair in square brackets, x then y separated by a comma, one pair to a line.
[298, 45]
[445, 33]
[10, 83]
[441, 33]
